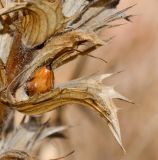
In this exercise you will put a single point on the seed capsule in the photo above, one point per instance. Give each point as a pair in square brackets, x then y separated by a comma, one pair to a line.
[42, 81]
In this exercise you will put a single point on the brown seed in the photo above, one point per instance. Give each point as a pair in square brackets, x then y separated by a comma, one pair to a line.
[42, 81]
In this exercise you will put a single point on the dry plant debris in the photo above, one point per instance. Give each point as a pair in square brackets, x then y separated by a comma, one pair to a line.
[36, 37]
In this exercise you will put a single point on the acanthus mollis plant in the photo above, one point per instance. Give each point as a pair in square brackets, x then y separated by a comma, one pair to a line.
[38, 36]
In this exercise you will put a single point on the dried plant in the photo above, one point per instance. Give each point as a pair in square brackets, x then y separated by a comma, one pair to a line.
[38, 36]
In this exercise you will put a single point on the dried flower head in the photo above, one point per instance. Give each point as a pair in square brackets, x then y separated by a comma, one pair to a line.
[39, 36]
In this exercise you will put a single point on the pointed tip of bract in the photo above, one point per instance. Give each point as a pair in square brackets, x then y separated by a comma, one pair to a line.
[104, 76]
[117, 95]
[116, 132]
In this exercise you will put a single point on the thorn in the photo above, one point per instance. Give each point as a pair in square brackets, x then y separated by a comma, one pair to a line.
[129, 7]
[118, 72]
[127, 100]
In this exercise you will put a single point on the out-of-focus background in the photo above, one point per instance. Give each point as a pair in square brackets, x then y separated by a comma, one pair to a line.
[135, 51]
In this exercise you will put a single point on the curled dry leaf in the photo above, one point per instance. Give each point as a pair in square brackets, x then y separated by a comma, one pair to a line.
[41, 16]
[42, 36]
[88, 91]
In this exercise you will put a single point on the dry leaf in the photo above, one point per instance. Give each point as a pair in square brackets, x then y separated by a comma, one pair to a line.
[41, 16]
[88, 91]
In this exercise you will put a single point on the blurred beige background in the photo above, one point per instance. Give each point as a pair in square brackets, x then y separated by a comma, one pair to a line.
[135, 51]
